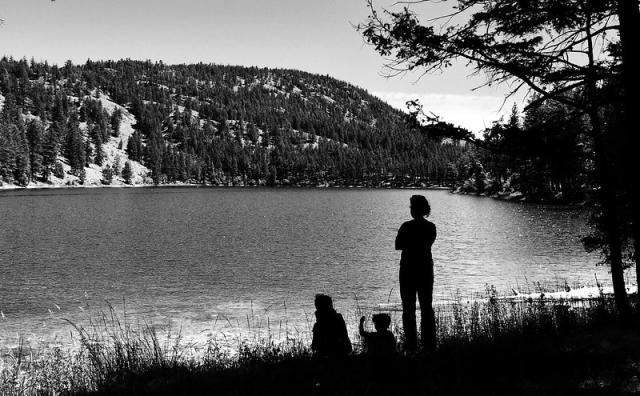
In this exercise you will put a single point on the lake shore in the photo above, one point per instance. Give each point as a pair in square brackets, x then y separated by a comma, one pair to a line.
[44, 186]
[518, 196]
[524, 348]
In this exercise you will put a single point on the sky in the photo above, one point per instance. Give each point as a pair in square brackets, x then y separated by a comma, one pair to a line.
[316, 36]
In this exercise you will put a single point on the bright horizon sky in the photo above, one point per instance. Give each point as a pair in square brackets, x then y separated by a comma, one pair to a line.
[314, 36]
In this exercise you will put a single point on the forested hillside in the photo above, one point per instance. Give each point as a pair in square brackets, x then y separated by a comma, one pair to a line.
[141, 122]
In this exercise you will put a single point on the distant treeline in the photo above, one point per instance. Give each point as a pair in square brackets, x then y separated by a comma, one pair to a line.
[543, 155]
[207, 124]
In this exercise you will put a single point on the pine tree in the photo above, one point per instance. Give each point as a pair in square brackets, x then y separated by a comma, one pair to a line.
[35, 132]
[58, 170]
[21, 169]
[50, 149]
[107, 175]
[6, 154]
[99, 158]
[74, 146]
[88, 153]
[116, 116]
[134, 146]
[127, 172]
[253, 133]
[272, 177]
[82, 175]
[115, 167]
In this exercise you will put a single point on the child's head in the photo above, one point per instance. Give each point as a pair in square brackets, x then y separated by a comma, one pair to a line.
[323, 303]
[381, 321]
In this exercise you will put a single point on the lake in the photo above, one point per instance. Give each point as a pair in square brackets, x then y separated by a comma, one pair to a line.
[231, 262]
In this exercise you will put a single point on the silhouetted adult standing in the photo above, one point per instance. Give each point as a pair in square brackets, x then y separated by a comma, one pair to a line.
[415, 238]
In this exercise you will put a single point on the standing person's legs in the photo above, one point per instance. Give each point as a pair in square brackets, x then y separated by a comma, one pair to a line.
[408, 296]
[427, 316]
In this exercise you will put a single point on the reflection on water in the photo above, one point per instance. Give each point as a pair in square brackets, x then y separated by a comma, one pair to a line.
[199, 259]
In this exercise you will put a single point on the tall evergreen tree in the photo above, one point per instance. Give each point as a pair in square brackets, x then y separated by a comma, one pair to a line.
[99, 156]
[35, 135]
[127, 173]
[107, 175]
[74, 148]
[115, 119]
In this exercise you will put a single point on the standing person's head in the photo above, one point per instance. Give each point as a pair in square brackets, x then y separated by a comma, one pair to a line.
[323, 303]
[381, 322]
[419, 206]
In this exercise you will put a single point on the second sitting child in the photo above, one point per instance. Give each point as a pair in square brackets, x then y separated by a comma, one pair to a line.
[379, 343]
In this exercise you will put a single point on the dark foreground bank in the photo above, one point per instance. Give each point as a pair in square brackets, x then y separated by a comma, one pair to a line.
[533, 347]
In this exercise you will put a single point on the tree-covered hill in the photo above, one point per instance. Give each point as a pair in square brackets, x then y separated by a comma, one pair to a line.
[142, 122]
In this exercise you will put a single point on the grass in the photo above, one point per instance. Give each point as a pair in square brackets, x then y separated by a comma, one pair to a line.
[489, 346]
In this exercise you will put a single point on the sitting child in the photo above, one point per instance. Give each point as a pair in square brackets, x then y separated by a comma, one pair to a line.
[380, 342]
[330, 337]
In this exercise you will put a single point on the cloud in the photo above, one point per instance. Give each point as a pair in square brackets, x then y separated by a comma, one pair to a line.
[474, 112]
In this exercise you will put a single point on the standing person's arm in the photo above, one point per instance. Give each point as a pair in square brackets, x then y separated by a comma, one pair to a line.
[400, 238]
[432, 237]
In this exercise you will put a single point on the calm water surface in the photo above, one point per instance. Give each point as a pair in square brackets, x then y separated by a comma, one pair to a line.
[212, 262]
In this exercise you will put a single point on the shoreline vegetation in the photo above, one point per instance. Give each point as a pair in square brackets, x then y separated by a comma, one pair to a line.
[506, 194]
[515, 196]
[285, 184]
[531, 344]
[509, 197]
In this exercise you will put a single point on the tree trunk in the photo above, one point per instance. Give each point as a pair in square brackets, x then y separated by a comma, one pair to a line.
[629, 18]
[607, 183]
[611, 213]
